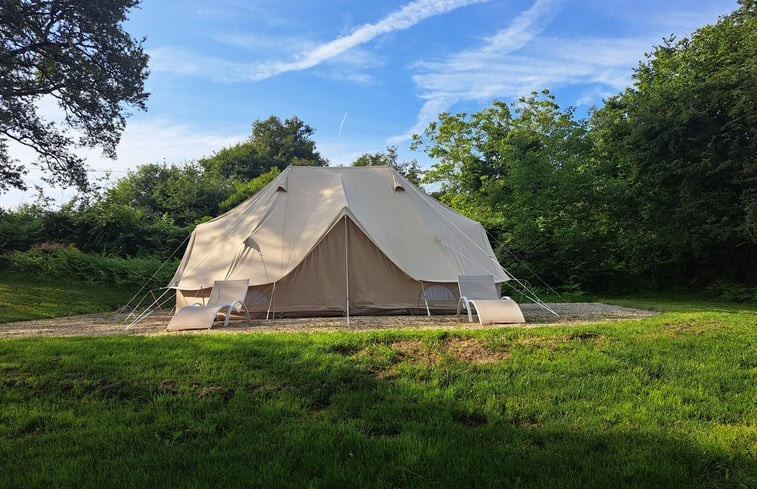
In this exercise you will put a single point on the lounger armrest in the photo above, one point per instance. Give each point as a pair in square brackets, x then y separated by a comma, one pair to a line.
[233, 306]
[466, 302]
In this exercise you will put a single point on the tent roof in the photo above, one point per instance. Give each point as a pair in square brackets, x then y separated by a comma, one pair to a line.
[268, 235]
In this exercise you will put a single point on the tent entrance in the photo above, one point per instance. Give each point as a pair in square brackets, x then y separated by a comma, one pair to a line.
[344, 274]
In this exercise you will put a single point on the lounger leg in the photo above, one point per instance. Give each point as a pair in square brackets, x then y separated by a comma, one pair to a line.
[228, 315]
[468, 308]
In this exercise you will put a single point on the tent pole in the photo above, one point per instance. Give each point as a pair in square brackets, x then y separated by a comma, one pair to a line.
[347, 268]
[270, 302]
[425, 299]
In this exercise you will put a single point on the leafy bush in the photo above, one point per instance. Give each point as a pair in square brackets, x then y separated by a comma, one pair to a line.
[69, 262]
[731, 292]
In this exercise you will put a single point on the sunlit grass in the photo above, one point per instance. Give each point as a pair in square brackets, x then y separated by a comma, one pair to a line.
[663, 402]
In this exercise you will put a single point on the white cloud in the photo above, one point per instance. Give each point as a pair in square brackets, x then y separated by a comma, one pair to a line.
[401, 19]
[188, 64]
[516, 61]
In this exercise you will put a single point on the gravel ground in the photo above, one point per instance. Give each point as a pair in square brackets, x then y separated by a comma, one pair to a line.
[105, 324]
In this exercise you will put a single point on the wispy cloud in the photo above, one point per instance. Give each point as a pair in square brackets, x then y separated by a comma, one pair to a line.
[180, 62]
[518, 60]
[401, 19]
[478, 73]
[341, 125]
[184, 63]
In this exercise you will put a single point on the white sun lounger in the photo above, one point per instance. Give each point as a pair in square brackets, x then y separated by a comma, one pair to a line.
[226, 294]
[479, 293]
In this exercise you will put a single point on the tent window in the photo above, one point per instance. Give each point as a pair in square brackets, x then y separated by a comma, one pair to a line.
[439, 293]
[257, 298]
[282, 187]
[397, 184]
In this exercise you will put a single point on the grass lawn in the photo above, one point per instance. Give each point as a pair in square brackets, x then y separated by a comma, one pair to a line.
[23, 298]
[662, 402]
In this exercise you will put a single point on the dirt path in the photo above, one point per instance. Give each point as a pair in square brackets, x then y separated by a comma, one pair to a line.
[105, 324]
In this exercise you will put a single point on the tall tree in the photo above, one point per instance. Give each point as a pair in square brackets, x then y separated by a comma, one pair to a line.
[683, 140]
[77, 53]
[525, 171]
[272, 144]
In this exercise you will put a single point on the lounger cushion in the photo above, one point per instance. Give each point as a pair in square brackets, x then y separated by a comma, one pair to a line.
[497, 311]
[194, 317]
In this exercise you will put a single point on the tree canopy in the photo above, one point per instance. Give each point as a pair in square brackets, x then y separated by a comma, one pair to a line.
[524, 170]
[683, 141]
[186, 194]
[271, 144]
[658, 186]
[77, 53]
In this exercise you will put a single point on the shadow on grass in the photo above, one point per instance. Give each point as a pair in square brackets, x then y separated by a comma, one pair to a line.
[23, 298]
[669, 302]
[299, 411]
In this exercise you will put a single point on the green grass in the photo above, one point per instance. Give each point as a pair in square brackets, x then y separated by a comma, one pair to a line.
[663, 402]
[677, 303]
[23, 298]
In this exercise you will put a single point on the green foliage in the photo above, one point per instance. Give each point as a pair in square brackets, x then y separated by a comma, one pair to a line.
[78, 53]
[244, 190]
[24, 298]
[682, 145]
[657, 188]
[272, 144]
[58, 262]
[101, 228]
[21, 228]
[664, 402]
[184, 194]
[525, 171]
[409, 169]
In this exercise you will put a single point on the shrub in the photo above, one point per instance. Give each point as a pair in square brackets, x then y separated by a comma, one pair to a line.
[67, 261]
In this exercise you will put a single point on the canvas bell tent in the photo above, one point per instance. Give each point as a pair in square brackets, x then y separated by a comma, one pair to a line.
[338, 241]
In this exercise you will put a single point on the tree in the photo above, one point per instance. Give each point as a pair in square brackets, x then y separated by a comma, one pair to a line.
[272, 144]
[186, 194]
[683, 140]
[525, 170]
[77, 53]
[244, 190]
[409, 169]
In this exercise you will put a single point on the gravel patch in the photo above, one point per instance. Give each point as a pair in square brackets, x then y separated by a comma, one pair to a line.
[105, 324]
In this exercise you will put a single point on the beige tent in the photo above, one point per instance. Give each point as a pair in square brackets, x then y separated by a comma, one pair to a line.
[333, 241]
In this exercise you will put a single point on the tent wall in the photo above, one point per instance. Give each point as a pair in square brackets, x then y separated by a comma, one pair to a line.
[318, 285]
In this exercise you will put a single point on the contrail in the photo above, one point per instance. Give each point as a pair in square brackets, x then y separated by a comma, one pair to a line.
[399, 20]
[342, 125]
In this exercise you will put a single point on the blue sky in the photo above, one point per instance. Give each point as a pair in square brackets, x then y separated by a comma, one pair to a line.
[366, 74]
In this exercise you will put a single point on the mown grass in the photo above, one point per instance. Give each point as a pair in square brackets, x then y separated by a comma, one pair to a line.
[25, 298]
[663, 402]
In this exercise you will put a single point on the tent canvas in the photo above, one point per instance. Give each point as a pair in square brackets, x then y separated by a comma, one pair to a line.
[333, 241]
